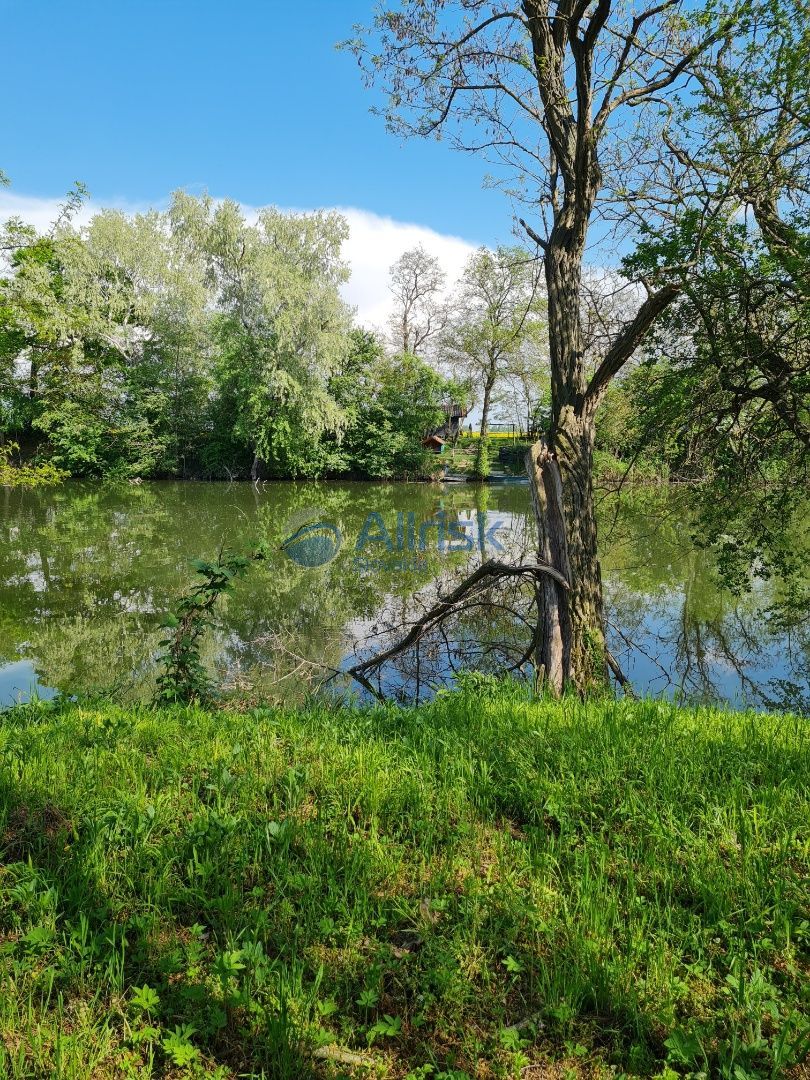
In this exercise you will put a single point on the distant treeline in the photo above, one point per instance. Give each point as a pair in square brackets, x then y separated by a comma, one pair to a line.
[191, 343]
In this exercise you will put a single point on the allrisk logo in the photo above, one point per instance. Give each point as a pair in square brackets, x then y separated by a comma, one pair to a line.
[399, 544]
[313, 545]
[311, 541]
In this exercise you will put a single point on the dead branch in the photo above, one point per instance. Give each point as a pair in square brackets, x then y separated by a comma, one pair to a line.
[484, 575]
[620, 676]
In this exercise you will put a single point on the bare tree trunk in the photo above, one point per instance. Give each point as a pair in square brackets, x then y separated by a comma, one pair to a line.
[33, 377]
[573, 447]
[553, 654]
[572, 645]
[485, 410]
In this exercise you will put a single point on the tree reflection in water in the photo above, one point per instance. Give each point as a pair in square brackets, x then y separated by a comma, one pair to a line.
[88, 573]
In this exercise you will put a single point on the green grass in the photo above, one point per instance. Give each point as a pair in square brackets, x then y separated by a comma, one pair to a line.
[640, 470]
[483, 887]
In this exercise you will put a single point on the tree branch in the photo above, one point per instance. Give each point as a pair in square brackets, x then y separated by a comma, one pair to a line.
[489, 570]
[628, 340]
[542, 244]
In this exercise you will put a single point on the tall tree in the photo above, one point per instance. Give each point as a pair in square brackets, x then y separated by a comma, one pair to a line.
[107, 326]
[166, 336]
[390, 404]
[417, 283]
[63, 329]
[566, 94]
[138, 342]
[494, 321]
[731, 373]
[282, 330]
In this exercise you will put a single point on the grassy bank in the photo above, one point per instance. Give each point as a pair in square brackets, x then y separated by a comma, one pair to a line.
[483, 887]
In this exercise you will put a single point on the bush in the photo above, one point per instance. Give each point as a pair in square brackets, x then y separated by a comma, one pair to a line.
[481, 463]
[28, 475]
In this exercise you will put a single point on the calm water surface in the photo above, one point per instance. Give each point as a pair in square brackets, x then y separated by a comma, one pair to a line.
[87, 574]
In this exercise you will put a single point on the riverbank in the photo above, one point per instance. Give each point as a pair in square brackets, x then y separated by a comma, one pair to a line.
[455, 463]
[480, 885]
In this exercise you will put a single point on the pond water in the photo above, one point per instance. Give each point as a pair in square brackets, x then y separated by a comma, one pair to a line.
[88, 573]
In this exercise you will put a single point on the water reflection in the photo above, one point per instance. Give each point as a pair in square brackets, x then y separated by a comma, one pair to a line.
[88, 573]
[678, 632]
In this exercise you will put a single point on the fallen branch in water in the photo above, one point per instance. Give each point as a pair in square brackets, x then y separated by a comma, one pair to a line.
[481, 578]
[619, 675]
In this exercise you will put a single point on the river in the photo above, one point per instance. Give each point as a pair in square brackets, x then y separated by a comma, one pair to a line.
[89, 572]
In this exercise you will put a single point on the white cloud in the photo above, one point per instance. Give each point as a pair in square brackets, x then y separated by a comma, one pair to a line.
[374, 243]
[42, 212]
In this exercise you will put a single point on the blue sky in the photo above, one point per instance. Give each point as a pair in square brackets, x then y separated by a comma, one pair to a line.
[248, 99]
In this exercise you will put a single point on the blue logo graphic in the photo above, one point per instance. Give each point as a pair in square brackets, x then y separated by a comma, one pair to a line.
[313, 542]
[313, 545]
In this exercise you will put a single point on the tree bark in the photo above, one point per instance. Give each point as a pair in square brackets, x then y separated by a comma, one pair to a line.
[572, 648]
[553, 654]
[573, 442]
[485, 410]
[258, 469]
[33, 376]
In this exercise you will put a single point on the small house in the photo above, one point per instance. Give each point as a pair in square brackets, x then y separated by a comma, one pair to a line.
[433, 442]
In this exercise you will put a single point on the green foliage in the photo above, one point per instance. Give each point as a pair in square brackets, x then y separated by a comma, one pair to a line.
[184, 678]
[390, 405]
[630, 440]
[95, 362]
[723, 397]
[27, 475]
[281, 328]
[498, 330]
[486, 884]
[191, 343]
[168, 343]
[481, 463]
